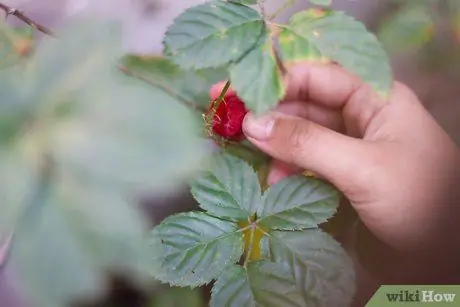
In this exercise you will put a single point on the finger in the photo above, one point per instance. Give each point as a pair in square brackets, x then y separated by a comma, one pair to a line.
[280, 170]
[329, 118]
[307, 145]
[217, 88]
[331, 86]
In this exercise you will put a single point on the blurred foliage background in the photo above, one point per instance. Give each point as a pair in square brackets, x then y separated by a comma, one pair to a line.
[422, 37]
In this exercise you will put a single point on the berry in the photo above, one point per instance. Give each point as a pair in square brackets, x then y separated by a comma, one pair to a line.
[227, 120]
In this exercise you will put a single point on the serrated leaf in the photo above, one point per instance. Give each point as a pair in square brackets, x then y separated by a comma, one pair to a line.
[257, 78]
[261, 283]
[296, 48]
[410, 28]
[212, 34]
[347, 42]
[194, 248]
[297, 202]
[323, 271]
[229, 188]
[190, 86]
[321, 2]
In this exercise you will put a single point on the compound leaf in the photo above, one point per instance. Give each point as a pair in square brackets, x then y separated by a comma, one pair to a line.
[257, 78]
[323, 271]
[191, 249]
[347, 42]
[229, 188]
[212, 34]
[297, 202]
[261, 283]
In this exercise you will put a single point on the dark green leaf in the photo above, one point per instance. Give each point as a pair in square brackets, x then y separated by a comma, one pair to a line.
[297, 202]
[347, 42]
[229, 188]
[257, 78]
[191, 249]
[190, 86]
[323, 271]
[212, 34]
[261, 283]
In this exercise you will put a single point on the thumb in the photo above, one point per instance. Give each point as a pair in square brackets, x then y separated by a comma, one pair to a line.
[303, 143]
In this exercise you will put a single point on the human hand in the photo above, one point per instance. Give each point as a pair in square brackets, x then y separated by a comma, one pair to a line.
[390, 158]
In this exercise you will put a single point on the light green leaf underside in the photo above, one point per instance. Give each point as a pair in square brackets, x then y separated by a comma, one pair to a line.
[347, 42]
[296, 48]
[323, 271]
[229, 188]
[190, 86]
[262, 283]
[297, 202]
[212, 34]
[194, 248]
[321, 2]
[257, 79]
[410, 28]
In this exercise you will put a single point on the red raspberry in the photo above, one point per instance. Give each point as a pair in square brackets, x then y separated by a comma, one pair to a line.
[227, 121]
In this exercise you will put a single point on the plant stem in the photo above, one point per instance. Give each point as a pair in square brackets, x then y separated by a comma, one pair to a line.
[281, 9]
[19, 15]
[163, 87]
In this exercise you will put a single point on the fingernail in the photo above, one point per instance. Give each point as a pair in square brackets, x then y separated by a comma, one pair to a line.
[258, 128]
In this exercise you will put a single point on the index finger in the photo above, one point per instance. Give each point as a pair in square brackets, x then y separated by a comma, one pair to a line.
[328, 85]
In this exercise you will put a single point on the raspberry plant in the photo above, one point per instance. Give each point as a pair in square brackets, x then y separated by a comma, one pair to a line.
[86, 127]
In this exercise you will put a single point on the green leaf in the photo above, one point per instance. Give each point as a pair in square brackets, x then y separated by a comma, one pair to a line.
[134, 138]
[408, 29]
[229, 188]
[85, 56]
[321, 2]
[175, 297]
[257, 78]
[212, 34]
[190, 86]
[347, 42]
[261, 283]
[70, 233]
[323, 271]
[245, 2]
[191, 249]
[297, 202]
[297, 48]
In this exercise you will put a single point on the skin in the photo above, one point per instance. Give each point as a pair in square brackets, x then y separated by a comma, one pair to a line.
[389, 157]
